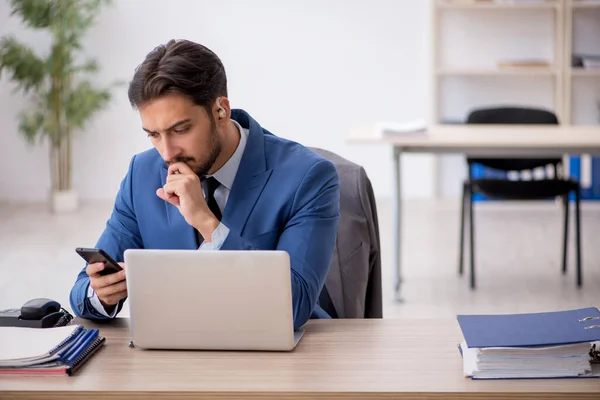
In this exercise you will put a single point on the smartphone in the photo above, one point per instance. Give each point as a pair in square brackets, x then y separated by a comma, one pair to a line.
[99, 255]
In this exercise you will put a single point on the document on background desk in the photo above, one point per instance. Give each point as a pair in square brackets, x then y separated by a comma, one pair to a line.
[410, 128]
[533, 345]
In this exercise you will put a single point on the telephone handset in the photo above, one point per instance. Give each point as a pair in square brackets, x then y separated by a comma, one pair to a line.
[36, 313]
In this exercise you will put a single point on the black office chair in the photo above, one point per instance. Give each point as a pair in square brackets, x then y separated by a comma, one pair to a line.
[545, 188]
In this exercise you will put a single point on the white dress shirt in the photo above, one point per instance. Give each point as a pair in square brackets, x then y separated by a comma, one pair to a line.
[225, 175]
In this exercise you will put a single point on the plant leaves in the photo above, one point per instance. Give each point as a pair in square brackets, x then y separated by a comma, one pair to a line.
[31, 124]
[61, 102]
[22, 64]
[34, 13]
[84, 101]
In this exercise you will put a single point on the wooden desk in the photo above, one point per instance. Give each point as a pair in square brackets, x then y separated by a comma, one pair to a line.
[389, 358]
[478, 140]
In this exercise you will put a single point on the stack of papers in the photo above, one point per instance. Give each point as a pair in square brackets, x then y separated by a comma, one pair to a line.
[535, 345]
[529, 362]
[48, 351]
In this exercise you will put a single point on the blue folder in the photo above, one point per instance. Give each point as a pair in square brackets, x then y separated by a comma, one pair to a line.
[534, 329]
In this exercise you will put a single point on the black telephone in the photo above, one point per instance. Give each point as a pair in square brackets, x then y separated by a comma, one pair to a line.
[36, 313]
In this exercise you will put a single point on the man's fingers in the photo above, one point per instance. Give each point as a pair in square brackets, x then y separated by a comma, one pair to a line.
[115, 298]
[107, 291]
[173, 199]
[93, 270]
[177, 177]
[174, 190]
[100, 282]
[180, 167]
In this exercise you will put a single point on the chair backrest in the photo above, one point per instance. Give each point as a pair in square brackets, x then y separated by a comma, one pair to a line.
[353, 285]
[513, 115]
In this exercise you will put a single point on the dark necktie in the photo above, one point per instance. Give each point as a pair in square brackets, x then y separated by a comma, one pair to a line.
[210, 185]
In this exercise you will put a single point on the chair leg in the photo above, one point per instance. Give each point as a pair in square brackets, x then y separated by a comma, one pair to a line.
[578, 236]
[471, 238]
[565, 233]
[462, 231]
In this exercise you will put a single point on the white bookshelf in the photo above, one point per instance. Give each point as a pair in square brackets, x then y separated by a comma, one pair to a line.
[554, 27]
[462, 31]
[472, 37]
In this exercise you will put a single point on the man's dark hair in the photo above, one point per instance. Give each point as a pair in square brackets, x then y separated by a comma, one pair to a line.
[180, 66]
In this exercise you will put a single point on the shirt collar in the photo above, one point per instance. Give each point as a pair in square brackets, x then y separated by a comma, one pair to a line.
[226, 174]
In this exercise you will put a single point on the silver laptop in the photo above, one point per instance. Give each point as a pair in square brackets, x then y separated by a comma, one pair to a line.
[210, 300]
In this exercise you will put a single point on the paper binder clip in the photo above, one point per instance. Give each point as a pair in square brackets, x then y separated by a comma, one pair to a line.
[594, 354]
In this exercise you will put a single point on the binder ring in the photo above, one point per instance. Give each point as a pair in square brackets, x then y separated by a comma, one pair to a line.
[592, 327]
[588, 319]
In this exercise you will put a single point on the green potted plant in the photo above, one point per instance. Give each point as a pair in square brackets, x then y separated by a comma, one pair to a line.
[62, 100]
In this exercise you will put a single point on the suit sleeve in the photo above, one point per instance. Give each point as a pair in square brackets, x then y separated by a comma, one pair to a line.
[308, 237]
[121, 233]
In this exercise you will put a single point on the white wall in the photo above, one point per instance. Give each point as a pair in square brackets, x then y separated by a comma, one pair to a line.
[307, 70]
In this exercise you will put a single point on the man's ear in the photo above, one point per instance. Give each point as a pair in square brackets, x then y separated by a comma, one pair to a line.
[223, 108]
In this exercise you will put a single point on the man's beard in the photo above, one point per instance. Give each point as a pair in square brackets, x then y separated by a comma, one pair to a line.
[214, 145]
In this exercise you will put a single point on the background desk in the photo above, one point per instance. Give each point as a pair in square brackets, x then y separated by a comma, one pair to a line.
[478, 140]
[389, 358]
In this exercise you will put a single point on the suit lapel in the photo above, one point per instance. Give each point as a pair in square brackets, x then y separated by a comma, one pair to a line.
[182, 234]
[251, 177]
[244, 195]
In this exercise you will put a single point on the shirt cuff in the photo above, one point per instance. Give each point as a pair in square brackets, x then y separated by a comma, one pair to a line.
[95, 301]
[218, 238]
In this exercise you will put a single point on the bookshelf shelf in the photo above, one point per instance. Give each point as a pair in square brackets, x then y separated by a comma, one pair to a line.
[585, 72]
[497, 72]
[560, 38]
[496, 5]
[586, 4]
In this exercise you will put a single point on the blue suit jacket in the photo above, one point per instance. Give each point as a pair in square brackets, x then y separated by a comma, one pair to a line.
[284, 197]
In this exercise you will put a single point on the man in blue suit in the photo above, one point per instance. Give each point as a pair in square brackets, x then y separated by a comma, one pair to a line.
[215, 179]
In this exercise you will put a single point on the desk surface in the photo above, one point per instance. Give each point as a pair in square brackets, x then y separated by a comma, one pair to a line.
[389, 358]
[458, 137]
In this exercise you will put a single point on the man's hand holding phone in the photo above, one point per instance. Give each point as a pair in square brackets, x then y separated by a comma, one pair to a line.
[110, 288]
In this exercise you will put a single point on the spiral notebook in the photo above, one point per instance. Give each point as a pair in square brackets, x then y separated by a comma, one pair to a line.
[50, 351]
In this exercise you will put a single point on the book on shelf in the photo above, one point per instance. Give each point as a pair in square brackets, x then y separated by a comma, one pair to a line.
[524, 63]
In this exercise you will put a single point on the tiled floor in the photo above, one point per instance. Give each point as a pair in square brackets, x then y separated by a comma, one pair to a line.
[518, 257]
